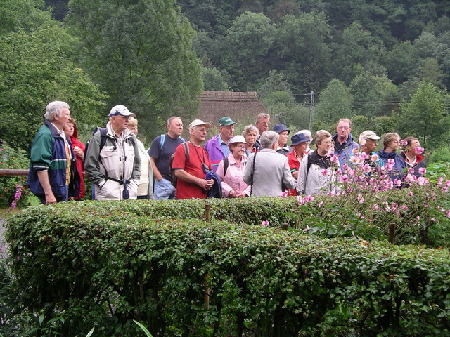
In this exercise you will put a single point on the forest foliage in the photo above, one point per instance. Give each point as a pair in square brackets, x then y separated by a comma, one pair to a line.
[311, 62]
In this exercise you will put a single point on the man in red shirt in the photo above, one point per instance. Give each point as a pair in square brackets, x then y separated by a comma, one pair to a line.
[190, 169]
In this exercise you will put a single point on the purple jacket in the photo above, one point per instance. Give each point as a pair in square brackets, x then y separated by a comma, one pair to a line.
[215, 153]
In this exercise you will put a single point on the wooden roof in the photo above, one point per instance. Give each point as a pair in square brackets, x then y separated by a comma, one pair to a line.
[239, 106]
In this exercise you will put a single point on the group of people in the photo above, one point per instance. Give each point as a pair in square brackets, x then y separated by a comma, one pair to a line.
[257, 163]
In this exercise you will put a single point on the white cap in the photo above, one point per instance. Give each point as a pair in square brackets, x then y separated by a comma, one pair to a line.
[236, 139]
[198, 122]
[121, 110]
[369, 135]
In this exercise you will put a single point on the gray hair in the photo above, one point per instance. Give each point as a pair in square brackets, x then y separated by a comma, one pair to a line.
[307, 133]
[170, 119]
[262, 115]
[250, 128]
[268, 138]
[54, 109]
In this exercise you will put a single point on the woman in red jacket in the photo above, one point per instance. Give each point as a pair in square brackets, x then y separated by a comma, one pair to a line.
[300, 143]
[78, 148]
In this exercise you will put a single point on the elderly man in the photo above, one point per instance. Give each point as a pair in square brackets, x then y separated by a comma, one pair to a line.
[262, 123]
[368, 140]
[161, 151]
[112, 160]
[217, 146]
[52, 161]
[343, 141]
[190, 163]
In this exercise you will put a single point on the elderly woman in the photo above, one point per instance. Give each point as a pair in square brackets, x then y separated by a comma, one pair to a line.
[300, 144]
[317, 172]
[283, 133]
[231, 170]
[250, 134]
[78, 147]
[145, 184]
[266, 170]
[412, 155]
[394, 163]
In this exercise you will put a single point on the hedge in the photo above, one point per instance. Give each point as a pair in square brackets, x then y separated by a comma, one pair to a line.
[83, 265]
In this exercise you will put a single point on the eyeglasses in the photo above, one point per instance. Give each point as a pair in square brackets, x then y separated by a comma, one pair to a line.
[240, 146]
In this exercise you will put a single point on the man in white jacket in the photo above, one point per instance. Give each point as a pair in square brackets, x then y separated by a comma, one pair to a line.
[112, 158]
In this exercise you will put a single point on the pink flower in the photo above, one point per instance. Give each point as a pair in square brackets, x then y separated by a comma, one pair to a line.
[419, 150]
[447, 213]
[334, 159]
[284, 194]
[403, 142]
[303, 200]
[360, 198]
[367, 168]
[422, 170]
[447, 183]
[265, 223]
[324, 172]
[422, 181]
[376, 207]
[306, 229]
[355, 160]
[374, 157]
[343, 178]
[397, 182]
[17, 196]
[362, 141]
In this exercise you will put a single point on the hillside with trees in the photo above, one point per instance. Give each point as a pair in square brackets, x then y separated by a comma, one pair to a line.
[311, 62]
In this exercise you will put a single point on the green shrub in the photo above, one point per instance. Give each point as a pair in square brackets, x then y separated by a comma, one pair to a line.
[107, 264]
[13, 159]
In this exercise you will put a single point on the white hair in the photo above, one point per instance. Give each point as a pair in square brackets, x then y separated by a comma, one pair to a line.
[54, 109]
[307, 133]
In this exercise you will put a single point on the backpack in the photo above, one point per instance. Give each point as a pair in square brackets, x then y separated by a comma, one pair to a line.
[226, 163]
[103, 132]
[103, 137]
[162, 140]
[173, 178]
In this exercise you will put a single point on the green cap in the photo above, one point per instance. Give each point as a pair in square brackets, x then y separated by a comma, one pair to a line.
[225, 121]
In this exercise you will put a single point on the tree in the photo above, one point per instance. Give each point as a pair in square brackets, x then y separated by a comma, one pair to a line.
[140, 53]
[35, 68]
[22, 14]
[214, 80]
[373, 95]
[303, 51]
[401, 62]
[335, 102]
[274, 82]
[357, 49]
[246, 52]
[426, 116]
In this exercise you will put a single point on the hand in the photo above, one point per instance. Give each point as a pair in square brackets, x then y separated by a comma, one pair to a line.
[50, 199]
[78, 151]
[295, 174]
[206, 184]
